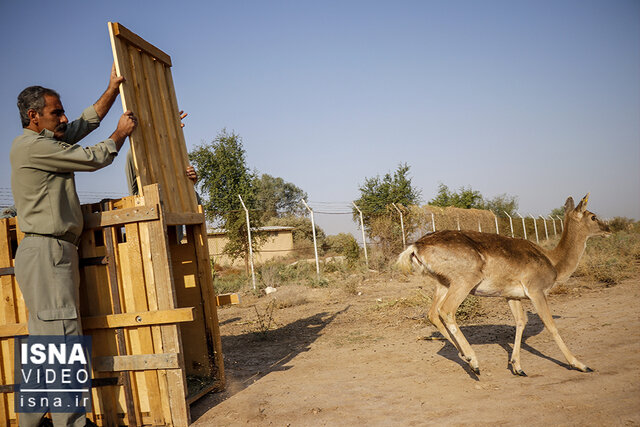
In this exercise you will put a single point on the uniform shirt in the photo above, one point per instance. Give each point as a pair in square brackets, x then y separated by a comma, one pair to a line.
[42, 175]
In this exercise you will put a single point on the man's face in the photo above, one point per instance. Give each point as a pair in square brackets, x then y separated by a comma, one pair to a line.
[52, 117]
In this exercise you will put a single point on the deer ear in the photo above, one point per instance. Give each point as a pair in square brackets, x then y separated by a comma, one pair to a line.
[582, 206]
[569, 205]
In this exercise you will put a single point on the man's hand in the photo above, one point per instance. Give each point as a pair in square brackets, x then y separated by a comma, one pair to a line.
[114, 79]
[126, 126]
[105, 102]
[191, 174]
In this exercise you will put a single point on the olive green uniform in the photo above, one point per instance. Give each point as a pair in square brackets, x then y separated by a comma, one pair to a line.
[46, 263]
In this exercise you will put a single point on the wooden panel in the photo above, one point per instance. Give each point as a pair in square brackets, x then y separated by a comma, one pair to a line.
[158, 145]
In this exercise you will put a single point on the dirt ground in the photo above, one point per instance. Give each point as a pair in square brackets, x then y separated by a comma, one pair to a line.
[358, 356]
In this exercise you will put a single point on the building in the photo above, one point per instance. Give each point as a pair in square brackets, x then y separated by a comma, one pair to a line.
[278, 244]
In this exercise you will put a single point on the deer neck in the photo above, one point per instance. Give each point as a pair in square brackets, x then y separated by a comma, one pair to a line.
[567, 254]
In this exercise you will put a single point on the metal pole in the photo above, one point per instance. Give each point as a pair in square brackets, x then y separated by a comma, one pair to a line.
[433, 222]
[404, 241]
[555, 231]
[364, 240]
[246, 211]
[479, 226]
[561, 224]
[458, 223]
[496, 220]
[524, 229]
[535, 227]
[510, 223]
[546, 233]
[315, 244]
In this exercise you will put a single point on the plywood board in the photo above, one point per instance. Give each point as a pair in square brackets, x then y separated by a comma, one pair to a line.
[158, 145]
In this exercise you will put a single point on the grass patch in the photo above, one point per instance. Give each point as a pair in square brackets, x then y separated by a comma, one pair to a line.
[610, 260]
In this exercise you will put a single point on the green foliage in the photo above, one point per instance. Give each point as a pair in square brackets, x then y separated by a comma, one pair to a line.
[468, 198]
[344, 244]
[380, 219]
[502, 203]
[224, 175]
[465, 198]
[558, 212]
[278, 198]
[376, 194]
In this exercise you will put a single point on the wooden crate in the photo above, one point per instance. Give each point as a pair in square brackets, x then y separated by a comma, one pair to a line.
[148, 303]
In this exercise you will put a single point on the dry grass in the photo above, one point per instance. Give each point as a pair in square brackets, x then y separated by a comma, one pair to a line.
[611, 260]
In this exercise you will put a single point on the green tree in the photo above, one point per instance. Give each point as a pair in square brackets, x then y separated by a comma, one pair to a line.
[278, 198]
[224, 175]
[380, 218]
[465, 198]
[377, 194]
[557, 212]
[502, 203]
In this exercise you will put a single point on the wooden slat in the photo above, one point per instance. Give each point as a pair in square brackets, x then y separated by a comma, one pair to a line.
[138, 362]
[9, 330]
[159, 247]
[133, 413]
[185, 218]
[138, 292]
[181, 145]
[227, 299]
[120, 217]
[143, 318]
[122, 32]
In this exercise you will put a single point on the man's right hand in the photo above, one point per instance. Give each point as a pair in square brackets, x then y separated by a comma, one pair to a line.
[126, 126]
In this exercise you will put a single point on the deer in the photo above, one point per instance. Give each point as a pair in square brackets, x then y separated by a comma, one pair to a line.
[491, 265]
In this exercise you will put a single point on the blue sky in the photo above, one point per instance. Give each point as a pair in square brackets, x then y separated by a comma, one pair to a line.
[536, 99]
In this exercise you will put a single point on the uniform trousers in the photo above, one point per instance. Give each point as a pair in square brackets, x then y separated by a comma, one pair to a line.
[47, 271]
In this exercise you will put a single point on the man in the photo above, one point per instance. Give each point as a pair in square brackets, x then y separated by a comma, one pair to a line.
[43, 161]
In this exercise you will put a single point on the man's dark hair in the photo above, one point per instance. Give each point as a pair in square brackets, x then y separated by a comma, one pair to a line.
[32, 98]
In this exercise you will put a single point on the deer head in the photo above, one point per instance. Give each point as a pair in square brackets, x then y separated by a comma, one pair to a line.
[585, 221]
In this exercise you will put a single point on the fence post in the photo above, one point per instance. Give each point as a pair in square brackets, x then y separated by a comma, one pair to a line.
[561, 224]
[496, 220]
[246, 211]
[364, 240]
[404, 241]
[315, 243]
[524, 228]
[433, 222]
[546, 233]
[510, 223]
[535, 227]
[555, 231]
[458, 219]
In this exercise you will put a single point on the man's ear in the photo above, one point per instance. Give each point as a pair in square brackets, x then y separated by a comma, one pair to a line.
[569, 205]
[33, 116]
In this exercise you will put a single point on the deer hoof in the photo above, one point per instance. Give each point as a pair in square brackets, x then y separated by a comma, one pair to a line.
[516, 371]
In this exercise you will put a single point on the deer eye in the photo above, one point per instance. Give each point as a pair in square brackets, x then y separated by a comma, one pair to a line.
[593, 218]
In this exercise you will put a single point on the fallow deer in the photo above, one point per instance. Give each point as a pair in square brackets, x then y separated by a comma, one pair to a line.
[490, 265]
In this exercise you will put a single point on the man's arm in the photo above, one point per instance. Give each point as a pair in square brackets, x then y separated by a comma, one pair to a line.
[103, 105]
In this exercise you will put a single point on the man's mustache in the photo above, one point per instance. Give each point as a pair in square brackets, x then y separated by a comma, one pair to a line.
[62, 127]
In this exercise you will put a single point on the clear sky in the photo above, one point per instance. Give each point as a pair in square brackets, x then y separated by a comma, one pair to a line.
[536, 99]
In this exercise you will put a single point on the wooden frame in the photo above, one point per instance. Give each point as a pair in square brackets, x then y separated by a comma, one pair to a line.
[158, 145]
[142, 293]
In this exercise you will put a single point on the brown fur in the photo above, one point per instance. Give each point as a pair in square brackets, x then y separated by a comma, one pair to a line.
[469, 262]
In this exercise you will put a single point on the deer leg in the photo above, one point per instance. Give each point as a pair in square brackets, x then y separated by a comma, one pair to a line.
[434, 317]
[541, 305]
[518, 314]
[447, 312]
